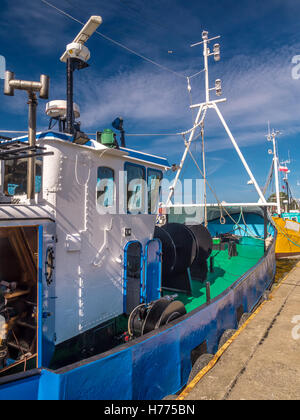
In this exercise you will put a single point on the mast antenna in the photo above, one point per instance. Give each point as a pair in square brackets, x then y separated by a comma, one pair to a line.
[76, 57]
[32, 88]
[272, 137]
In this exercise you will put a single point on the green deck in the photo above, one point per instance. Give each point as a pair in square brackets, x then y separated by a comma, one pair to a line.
[227, 271]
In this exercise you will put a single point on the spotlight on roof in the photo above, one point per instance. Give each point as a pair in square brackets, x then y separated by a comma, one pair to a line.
[118, 124]
[204, 35]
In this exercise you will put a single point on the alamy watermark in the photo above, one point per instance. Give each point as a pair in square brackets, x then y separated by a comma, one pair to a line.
[120, 193]
[296, 67]
[296, 329]
[2, 67]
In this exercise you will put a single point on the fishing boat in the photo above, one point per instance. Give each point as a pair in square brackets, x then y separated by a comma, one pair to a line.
[286, 220]
[101, 296]
[288, 237]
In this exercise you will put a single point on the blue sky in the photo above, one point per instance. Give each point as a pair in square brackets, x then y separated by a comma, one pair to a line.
[258, 42]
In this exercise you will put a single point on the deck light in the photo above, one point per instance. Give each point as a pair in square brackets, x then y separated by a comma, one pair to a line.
[204, 35]
[218, 87]
[216, 51]
[118, 125]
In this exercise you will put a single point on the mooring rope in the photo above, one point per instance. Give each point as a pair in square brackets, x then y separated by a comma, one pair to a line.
[221, 207]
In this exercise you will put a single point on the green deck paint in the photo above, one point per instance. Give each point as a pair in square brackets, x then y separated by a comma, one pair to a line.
[226, 272]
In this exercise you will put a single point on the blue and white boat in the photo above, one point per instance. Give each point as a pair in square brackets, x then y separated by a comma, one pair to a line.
[96, 300]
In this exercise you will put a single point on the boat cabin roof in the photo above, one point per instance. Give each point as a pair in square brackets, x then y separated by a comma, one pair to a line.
[141, 157]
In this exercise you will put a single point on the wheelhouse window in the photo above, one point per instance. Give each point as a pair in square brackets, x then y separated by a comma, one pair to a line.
[154, 190]
[15, 177]
[105, 187]
[136, 188]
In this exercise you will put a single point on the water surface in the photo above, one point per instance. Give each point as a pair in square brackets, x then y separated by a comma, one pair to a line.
[283, 267]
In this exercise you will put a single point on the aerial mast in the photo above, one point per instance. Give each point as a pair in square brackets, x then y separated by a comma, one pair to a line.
[76, 57]
[32, 88]
[272, 137]
[202, 109]
[283, 168]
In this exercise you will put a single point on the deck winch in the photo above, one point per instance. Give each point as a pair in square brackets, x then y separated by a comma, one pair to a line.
[185, 251]
[149, 317]
[204, 243]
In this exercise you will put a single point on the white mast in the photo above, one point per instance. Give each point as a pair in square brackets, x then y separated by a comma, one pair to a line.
[203, 107]
[286, 179]
[272, 137]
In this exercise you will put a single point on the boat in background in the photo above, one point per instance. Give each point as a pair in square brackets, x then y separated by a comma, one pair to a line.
[293, 215]
[286, 220]
[288, 236]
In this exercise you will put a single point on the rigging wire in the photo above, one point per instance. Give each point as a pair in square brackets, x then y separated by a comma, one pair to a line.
[13, 132]
[205, 176]
[189, 89]
[127, 134]
[143, 57]
[221, 207]
[182, 133]
[196, 74]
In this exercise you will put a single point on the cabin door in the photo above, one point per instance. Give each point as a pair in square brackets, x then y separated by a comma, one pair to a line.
[40, 314]
[133, 276]
[19, 298]
[153, 261]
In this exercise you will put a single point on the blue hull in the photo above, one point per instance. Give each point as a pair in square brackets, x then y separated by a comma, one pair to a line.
[153, 366]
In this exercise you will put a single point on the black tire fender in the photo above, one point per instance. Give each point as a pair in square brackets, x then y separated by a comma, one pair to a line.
[243, 319]
[200, 364]
[225, 337]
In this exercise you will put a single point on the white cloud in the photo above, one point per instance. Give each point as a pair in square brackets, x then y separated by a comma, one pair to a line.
[41, 27]
[257, 90]
[145, 97]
